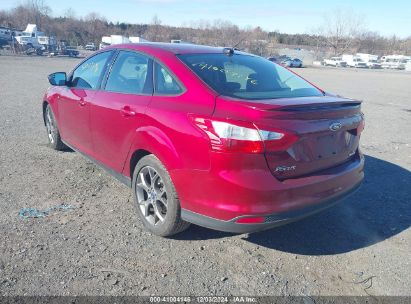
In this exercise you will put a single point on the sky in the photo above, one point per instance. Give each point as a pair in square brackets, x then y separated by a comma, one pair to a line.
[297, 16]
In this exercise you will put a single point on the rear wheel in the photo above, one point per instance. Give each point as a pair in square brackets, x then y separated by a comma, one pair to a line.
[156, 199]
[52, 130]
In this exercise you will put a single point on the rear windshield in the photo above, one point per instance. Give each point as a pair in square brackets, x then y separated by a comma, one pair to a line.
[248, 77]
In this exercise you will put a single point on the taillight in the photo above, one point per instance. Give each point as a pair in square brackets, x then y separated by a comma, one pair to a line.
[242, 136]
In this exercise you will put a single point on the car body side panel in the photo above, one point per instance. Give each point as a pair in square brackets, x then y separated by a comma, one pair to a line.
[112, 129]
[170, 134]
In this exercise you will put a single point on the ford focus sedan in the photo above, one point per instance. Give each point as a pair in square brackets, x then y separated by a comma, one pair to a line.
[210, 136]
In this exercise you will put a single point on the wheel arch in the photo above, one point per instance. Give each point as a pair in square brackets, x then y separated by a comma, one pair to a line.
[151, 140]
[135, 158]
[44, 106]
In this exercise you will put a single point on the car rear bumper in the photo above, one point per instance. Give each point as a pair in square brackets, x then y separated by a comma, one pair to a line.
[271, 220]
[217, 198]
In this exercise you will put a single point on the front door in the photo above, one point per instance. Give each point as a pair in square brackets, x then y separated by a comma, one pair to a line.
[75, 100]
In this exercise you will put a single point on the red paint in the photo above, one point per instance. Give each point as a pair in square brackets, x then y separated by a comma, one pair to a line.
[237, 179]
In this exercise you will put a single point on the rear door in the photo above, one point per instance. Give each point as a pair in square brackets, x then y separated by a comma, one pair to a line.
[74, 102]
[119, 109]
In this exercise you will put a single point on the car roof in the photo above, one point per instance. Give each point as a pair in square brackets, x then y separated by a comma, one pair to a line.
[173, 48]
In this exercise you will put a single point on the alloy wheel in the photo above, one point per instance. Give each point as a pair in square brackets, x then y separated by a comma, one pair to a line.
[51, 126]
[151, 195]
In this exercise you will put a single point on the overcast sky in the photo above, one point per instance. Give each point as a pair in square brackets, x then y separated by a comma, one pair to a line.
[298, 16]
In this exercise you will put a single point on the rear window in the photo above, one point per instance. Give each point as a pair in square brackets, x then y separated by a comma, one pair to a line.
[248, 77]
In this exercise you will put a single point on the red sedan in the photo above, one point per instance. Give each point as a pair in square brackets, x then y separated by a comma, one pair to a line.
[211, 136]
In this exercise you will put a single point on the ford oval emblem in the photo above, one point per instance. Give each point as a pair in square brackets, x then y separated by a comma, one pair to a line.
[335, 126]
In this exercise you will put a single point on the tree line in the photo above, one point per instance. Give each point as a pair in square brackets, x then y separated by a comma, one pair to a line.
[340, 32]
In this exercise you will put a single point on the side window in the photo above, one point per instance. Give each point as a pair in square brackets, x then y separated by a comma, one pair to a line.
[164, 83]
[89, 73]
[131, 74]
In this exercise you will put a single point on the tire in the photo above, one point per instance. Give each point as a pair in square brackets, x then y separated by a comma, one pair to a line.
[53, 132]
[156, 199]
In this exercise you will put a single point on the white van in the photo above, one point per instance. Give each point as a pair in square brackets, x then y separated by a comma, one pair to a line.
[354, 61]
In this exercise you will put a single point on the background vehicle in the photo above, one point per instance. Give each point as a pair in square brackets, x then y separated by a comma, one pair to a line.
[119, 39]
[90, 46]
[292, 63]
[5, 36]
[260, 148]
[335, 61]
[370, 60]
[32, 38]
[63, 48]
[397, 62]
[354, 61]
[373, 64]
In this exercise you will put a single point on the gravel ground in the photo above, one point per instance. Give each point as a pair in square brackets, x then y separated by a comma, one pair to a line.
[360, 247]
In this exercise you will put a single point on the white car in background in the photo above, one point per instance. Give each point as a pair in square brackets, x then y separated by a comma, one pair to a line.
[373, 64]
[335, 61]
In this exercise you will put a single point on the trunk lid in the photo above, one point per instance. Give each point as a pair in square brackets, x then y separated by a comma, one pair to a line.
[326, 127]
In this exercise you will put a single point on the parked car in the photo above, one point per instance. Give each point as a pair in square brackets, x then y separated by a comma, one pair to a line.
[335, 61]
[90, 46]
[211, 136]
[373, 64]
[292, 63]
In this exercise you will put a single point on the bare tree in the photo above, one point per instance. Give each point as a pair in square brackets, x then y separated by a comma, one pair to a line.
[341, 30]
[69, 13]
[258, 41]
[39, 11]
[154, 32]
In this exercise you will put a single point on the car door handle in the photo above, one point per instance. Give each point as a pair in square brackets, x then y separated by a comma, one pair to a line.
[126, 111]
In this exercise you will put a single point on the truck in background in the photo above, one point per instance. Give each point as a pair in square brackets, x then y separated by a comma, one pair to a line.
[119, 39]
[397, 62]
[370, 60]
[335, 61]
[33, 39]
[354, 61]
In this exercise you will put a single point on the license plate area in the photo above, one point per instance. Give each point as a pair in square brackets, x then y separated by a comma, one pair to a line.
[330, 145]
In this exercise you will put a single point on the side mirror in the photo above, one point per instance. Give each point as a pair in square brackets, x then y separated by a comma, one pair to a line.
[58, 79]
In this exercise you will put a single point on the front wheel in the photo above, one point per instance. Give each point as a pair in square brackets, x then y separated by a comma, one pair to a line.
[52, 130]
[156, 199]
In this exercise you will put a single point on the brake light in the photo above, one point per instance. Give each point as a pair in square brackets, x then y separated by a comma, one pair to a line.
[242, 136]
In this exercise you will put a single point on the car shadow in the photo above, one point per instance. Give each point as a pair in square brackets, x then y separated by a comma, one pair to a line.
[379, 210]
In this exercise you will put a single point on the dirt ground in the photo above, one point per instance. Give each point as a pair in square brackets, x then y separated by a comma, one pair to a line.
[360, 247]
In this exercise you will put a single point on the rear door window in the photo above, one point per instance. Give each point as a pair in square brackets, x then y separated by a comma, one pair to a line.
[164, 82]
